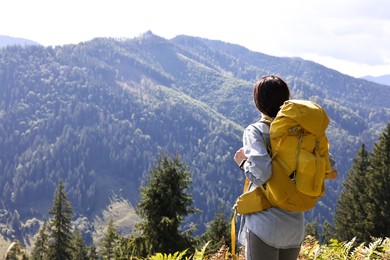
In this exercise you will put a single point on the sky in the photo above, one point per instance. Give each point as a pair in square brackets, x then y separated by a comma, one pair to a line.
[351, 36]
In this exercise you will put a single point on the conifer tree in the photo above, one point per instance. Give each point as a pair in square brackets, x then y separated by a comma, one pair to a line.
[378, 187]
[79, 251]
[92, 253]
[164, 204]
[328, 232]
[311, 229]
[109, 241]
[124, 249]
[351, 210]
[60, 235]
[41, 245]
[217, 232]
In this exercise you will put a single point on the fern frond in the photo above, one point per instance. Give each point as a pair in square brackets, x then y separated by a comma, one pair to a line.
[157, 256]
[181, 254]
[358, 252]
[199, 255]
[386, 248]
[347, 246]
[175, 256]
[375, 249]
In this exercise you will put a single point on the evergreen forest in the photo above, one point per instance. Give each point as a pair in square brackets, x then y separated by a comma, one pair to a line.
[97, 116]
[166, 201]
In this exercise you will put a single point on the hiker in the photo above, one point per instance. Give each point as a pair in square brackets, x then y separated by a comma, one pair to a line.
[273, 233]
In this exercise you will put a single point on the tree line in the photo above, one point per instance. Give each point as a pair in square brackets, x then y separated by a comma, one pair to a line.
[61, 118]
[362, 215]
[164, 204]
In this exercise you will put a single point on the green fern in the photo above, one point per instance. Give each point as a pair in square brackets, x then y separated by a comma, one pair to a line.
[199, 255]
[348, 246]
[358, 252]
[312, 250]
[375, 249]
[174, 256]
[386, 247]
[378, 249]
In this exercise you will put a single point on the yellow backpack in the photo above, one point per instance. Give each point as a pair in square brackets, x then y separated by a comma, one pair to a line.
[300, 156]
[300, 161]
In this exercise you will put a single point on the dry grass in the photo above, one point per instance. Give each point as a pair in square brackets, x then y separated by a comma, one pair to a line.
[4, 244]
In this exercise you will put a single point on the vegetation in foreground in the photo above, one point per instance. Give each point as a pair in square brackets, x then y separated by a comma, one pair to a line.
[311, 249]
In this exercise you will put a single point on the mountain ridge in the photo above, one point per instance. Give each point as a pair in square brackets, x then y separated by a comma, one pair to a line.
[9, 40]
[104, 109]
[384, 79]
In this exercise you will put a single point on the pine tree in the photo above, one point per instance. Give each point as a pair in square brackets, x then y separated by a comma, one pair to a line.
[123, 248]
[351, 210]
[164, 204]
[378, 187]
[311, 229]
[109, 241]
[79, 249]
[217, 232]
[328, 232]
[92, 253]
[60, 235]
[41, 245]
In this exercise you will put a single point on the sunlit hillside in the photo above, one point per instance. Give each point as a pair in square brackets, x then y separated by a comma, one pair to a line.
[97, 115]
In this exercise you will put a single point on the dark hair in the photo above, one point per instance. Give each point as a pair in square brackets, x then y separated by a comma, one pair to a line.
[269, 94]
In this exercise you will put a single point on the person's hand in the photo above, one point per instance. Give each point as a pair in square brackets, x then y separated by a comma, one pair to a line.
[331, 175]
[239, 156]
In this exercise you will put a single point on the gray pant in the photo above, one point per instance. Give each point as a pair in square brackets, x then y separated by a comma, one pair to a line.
[256, 249]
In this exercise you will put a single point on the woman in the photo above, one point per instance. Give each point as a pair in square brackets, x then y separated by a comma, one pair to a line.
[273, 233]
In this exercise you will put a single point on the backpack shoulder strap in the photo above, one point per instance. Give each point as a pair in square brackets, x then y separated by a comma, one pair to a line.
[266, 119]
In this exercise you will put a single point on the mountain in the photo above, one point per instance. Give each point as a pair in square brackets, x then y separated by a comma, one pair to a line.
[7, 40]
[384, 79]
[98, 114]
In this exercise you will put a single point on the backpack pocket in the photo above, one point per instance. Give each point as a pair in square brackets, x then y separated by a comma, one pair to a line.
[252, 201]
[310, 173]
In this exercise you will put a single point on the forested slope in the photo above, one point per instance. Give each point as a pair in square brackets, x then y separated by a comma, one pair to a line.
[98, 114]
